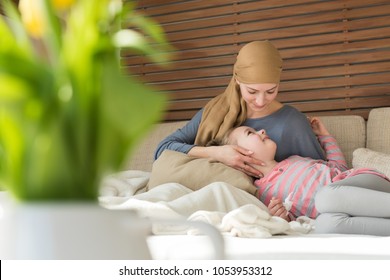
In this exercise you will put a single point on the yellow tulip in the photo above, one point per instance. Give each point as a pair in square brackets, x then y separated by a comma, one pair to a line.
[32, 17]
[62, 4]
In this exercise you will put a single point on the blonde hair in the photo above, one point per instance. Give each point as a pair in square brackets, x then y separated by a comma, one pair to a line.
[224, 140]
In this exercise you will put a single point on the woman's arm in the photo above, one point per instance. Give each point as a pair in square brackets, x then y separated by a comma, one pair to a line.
[182, 140]
[231, 155]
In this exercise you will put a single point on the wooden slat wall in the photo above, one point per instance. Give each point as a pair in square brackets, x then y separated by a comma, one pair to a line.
[336, 53]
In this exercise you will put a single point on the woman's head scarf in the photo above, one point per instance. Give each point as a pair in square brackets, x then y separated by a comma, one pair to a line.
[258, 62]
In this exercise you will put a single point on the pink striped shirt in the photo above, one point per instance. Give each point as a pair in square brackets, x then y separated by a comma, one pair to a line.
[302, 177]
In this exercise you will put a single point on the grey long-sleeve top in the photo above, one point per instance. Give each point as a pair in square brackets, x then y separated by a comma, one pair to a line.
[288, 127]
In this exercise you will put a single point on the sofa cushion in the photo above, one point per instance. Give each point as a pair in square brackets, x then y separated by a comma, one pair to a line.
[195, 173]
[143, 156]
[364, 157]
[378, 130]
[349, 131]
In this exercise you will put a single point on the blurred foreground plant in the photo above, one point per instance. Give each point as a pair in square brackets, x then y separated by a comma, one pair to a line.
[68, 116]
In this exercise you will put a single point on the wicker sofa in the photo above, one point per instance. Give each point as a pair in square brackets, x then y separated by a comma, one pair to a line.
[364, 143]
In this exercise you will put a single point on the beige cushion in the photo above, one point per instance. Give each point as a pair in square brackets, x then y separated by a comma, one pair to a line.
[349, 131]
[378, 130]
[364, 157]
[195, 173]
[143, 156]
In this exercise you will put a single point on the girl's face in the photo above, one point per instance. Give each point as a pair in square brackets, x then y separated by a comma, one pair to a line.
[258, 96]
[257, 141]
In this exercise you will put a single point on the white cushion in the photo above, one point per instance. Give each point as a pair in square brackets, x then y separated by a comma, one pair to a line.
[364, 157]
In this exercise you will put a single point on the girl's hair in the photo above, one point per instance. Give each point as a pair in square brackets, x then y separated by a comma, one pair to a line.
[221, 141]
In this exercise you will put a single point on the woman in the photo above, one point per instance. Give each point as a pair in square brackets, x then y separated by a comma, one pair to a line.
[250, 100]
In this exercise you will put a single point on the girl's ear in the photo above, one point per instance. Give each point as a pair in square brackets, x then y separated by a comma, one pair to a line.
[237, 82]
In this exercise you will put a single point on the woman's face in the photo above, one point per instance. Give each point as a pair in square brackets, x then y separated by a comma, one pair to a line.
[256, 141]
[258, 96]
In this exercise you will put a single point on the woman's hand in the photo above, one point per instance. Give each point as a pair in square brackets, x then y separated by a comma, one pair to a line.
[318, 127]
[230, 155]
[276, 208]
[238, 158]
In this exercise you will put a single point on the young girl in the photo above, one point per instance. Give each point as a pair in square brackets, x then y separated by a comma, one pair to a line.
[355, 201]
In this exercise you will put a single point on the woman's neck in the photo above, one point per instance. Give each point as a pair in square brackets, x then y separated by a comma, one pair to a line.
[270, 109]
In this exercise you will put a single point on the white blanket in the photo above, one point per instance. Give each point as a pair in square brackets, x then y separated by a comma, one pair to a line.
[231, 210]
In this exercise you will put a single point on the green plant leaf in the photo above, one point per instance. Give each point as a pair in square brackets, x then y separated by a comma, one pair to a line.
[12, 143]
[68, 116]
[12, 34]
[129, 106]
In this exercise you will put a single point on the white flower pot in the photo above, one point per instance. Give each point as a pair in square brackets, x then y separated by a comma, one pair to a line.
[70, 231]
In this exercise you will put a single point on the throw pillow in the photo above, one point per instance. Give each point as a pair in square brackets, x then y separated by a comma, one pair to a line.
[195, 173]
[363, 157]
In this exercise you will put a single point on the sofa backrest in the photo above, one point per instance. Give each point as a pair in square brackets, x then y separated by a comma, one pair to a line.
[349, 131]
[378, 130]
[143, 156]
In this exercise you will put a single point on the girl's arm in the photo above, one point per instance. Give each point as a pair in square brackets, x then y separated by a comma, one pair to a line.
[334, 155]
[276, 208]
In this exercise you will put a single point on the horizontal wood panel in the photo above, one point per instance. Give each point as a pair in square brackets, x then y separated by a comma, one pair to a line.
[336, 53]
[288, 85]
[189, 11]
[289, 96]
[295, 63]
[209, 72]
[342, 104]
[244, 22]
[186, 115]
[286, 53]
[319, 107]
[307, 95]
[332, 93]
